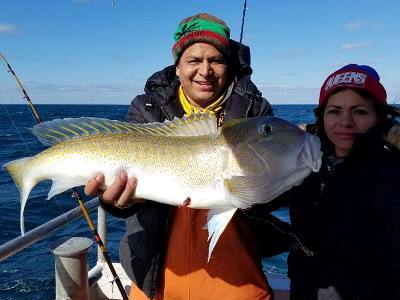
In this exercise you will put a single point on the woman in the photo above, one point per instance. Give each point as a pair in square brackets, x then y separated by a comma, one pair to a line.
[347, 214]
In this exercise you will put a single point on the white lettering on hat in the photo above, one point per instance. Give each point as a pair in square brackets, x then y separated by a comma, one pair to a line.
[346, 78]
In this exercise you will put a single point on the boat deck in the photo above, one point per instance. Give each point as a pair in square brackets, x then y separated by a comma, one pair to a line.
[105, 289]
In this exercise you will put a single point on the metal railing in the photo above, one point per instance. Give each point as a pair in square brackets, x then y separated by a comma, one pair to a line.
[72, 276]
[39, 233]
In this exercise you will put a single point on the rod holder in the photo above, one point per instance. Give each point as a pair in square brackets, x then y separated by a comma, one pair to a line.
[71, 268]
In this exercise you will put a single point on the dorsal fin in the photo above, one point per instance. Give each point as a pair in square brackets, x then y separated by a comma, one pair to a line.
[56, 131]
[193, 125]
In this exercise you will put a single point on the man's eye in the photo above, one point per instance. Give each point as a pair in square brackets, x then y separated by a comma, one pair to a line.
[193, 61]
[218, 62]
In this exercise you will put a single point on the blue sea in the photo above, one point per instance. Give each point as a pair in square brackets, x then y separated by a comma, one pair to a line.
[30, 273]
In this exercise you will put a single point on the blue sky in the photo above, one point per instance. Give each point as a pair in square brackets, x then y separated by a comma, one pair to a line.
[88, 51]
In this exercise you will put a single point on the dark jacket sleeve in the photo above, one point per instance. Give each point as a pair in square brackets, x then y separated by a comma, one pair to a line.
[260, 105]
[391, 201]
[272, 233]
[275, 236]
[135, 113]
[265, 108]
[118, 212]
[393, 224]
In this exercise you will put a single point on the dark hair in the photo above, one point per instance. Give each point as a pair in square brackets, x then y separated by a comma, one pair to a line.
[385, 113]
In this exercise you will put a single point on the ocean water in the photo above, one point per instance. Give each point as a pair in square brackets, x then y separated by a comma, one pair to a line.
[30, 273]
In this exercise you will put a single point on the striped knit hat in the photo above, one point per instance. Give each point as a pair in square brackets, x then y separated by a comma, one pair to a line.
[201, 28]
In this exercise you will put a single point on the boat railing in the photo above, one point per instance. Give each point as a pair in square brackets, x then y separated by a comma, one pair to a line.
[71, 254]
[39, 233]
[94, 281]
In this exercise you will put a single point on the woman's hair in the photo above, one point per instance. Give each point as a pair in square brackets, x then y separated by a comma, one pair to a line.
[384, 112]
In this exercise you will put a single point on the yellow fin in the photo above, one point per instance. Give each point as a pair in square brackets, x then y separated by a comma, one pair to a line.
[56, 131]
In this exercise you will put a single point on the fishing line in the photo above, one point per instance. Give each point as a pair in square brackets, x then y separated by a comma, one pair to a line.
[300, 245]
[56, 197]
[75, 193]
[33, 113]
[15, 126]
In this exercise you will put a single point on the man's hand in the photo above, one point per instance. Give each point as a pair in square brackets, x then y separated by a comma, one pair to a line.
[120, 193]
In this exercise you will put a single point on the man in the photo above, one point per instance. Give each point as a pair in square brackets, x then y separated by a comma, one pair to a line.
[165, 248]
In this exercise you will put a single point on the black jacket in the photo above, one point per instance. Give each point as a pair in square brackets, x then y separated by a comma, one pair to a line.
[142, 247]
[351, 222]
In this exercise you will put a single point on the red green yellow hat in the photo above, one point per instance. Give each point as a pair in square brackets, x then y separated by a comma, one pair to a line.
[201, 28]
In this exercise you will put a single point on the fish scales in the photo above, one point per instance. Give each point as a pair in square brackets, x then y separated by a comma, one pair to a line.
[195, 161]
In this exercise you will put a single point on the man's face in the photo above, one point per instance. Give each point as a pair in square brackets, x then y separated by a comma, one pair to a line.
[202, 72]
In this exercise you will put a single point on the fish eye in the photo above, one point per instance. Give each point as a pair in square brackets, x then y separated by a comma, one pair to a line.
[266, 129]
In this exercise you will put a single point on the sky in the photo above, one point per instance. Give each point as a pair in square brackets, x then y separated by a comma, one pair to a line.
[93, 52]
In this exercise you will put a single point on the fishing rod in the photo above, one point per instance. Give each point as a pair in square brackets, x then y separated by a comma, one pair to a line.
[75, 192]
[21, 88]
[243, 16]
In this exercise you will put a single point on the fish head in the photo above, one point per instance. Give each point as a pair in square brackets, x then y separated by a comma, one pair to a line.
[273, 147]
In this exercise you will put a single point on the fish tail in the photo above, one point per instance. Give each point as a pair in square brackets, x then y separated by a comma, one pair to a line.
[18, 169]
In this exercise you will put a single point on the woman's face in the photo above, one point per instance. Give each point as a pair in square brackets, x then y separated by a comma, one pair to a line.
[346, 115]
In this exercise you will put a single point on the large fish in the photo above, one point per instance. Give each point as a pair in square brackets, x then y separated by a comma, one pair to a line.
[186, 161]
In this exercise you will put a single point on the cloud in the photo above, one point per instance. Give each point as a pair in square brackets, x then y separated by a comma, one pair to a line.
[354, 25]
[7, 28]
[93, 93]
[80, 88]
[357, 25]
[352, 46]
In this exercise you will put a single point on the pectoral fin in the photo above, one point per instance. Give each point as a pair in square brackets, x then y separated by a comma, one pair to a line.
[61, 185]
[217, 221]
[248, 190]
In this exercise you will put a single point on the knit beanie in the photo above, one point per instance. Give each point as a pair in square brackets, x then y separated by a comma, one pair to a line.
[361, 77]
[201, 28]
